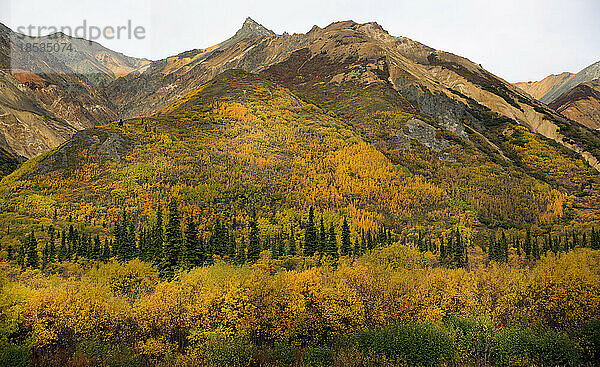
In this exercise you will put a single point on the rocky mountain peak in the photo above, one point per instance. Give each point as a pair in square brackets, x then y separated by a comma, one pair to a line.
[250, 29]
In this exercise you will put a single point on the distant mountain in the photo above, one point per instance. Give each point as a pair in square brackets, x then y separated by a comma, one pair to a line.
[50, 95]
[581, 103]
[573, 95]
[588, 74]
[538, 89]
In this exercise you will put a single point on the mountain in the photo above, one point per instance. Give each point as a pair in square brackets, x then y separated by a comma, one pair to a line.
[243, 142]
[573, 95]
[346, 118]
[538, 89]
[588, 74]
[581, 104]
[439, 83]
[47, 96]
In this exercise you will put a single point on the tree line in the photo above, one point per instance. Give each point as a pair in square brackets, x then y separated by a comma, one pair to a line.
[173, 243]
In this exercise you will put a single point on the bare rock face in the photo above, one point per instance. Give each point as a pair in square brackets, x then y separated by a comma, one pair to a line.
[425, 134]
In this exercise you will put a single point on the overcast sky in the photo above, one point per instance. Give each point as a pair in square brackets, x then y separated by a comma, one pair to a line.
[518, 40]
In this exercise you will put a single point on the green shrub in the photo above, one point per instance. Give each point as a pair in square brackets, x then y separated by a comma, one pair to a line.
[520, 346]
[281, 354]
[472, 338]
[220, 349]
[413, 344]
[590, 339]
[318, 356]
[14, 356]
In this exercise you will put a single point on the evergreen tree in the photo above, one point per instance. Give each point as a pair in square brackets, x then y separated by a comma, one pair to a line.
[45, 257]
[280, 247]
[62, 250]
[292, 251]
[97, 248]
[32, 257]
[9, 252]
[527, 244]
[346, 244]
[240, 253]
[154, 252]
[503, 251]
[332, 247]
[535, 250]
[310, 235]
[253, 243]
[191, 245]
[443, 253]
[323, 244]
[173, 242]
[459, 249]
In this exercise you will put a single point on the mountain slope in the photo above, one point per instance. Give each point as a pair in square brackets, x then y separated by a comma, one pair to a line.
[588, 74]
[422, 75]
[47, 96]
[242, 143]
[581, 104]
[538, 89]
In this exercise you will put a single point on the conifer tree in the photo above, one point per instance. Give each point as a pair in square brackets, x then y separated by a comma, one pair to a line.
[253, 242]
[332, 247]
[292, 250]
[44, 257]
[310, 235]
[173, 242]
[443, 253]
[32, 257]
[323, 245]
[535, 249]
[240, 253]
[191, 245]
[527, 245]
[154, 252]
[346, 244]
[9, 253]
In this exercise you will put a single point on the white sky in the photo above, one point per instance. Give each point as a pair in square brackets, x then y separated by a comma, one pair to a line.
[518, 40]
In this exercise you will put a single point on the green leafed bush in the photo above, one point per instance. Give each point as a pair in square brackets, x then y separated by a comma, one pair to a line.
[413, 344]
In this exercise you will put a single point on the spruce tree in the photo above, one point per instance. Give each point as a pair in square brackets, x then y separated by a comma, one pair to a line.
[310, 235]
[332, 247]
[9, 253]
[32, 257]
[323, 244]
[253, 242]
[154, 252]
[240, 253]
[535, 249]
[292, 250]
[173, 242]
[191, 245]
[346, 244]
[527, 244]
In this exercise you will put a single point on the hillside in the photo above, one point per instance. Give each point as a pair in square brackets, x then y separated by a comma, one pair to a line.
[244, 144]
[436, 82]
